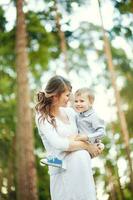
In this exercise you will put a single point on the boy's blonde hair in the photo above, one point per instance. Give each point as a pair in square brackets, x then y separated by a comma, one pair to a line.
[86, 91]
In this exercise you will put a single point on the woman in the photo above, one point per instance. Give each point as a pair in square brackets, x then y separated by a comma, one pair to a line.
[57, 128]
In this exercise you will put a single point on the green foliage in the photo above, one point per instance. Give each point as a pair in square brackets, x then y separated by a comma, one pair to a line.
[41, 43]
[7, 38]
[125, 10]
[67, 5]
[2, 20]
[124, 6]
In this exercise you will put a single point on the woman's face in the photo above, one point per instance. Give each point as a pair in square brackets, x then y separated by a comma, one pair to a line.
[64, 98]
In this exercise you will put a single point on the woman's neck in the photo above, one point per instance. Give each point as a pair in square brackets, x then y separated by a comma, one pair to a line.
[55, 111]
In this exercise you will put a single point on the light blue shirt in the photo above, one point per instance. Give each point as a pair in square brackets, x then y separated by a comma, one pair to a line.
[89, 123]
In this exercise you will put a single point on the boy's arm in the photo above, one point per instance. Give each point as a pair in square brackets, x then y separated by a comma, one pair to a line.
[99, 127]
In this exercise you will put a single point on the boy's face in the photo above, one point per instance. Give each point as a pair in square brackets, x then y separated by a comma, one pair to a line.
[82, 103]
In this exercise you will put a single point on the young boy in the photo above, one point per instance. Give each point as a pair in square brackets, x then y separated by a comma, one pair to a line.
[88, 123]
[90, 127]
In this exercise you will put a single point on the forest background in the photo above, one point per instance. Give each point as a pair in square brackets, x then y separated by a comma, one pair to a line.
[42, 38]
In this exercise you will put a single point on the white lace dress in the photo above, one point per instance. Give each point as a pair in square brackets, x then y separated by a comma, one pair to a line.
[76, 182]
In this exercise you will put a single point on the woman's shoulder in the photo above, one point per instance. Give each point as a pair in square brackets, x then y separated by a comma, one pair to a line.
[42, 123]
[39, 119]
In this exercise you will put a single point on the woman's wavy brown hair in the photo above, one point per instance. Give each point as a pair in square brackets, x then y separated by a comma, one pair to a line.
[55, 86]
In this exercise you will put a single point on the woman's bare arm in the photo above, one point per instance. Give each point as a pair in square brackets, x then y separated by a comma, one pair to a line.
[78, 137]
[48, 132]
[93, 149]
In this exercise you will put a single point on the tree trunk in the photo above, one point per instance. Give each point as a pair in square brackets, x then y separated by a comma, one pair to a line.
[111, 185]
[120, 191]
[118, 184]
[1, 178]
[121, 114]
[11, 170]
[26, 173]
[61, 36]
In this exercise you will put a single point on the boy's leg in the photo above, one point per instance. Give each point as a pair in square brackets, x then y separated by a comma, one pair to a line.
[53, 161]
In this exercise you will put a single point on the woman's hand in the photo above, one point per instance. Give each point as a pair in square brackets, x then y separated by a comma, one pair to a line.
[75, 145]
[94, 150]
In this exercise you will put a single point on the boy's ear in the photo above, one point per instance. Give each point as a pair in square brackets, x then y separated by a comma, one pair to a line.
[91, 99]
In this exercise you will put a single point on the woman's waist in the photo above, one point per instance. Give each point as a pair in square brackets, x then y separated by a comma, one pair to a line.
[55, 170]
[79, 155]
